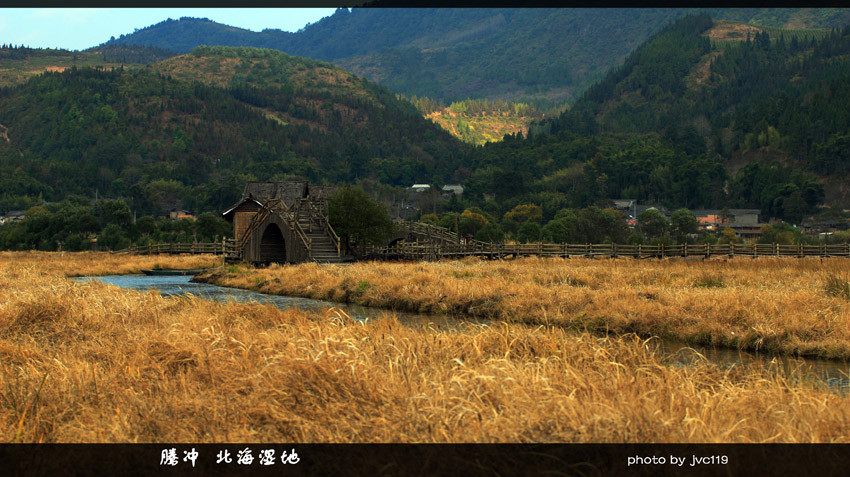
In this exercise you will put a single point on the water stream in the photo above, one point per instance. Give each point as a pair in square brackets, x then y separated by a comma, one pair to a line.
[176, 285]
[836, 374]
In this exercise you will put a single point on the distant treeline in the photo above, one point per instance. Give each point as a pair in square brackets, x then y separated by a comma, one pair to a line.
[23, 52]
[75, 224]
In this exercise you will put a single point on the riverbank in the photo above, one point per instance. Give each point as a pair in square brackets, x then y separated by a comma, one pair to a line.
[89, 362]
[793, 307]
[84, 264]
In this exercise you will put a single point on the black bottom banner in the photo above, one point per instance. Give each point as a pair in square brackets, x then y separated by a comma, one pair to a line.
[425, 459]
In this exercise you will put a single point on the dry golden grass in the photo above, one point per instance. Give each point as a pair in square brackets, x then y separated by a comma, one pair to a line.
[88, 362]
[769, 304]
[100, 263]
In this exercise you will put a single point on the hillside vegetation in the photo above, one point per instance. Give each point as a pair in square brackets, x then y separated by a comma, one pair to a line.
[19, 64]
[686, 121]
[763, 128]
[180, 131]
[543, 55]
[479, 121]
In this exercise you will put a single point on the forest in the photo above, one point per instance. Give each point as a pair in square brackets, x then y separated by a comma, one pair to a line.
[154, 140]
[685, 122]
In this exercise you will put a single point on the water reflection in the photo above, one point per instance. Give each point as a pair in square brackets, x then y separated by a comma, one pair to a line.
[177, 285]
[835, 374]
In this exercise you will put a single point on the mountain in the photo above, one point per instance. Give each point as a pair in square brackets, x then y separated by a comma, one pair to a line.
[546, 56]
[195, 127]
[703, 114]
[694, 118]
[19, 64]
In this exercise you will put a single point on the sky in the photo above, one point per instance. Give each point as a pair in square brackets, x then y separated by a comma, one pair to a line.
[82, 28]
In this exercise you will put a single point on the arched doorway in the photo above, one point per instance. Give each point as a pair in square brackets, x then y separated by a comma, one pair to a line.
[272, 245]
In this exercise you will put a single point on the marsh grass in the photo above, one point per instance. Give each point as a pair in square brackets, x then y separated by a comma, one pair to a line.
[90, 362]
[768, 304]
[82, 264]
[838, 286]
[709, 281]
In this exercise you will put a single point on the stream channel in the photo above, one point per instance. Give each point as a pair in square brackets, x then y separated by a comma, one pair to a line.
[836, 374]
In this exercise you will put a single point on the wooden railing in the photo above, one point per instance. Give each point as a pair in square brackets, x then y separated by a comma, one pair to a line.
[431, 251]
[307, 241]
[216, 248]
[430, 233]
[329, 231]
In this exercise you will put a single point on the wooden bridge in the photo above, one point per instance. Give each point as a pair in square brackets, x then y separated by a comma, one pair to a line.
[437, 251]
[283, 222]
[423, 242]
[218, 248]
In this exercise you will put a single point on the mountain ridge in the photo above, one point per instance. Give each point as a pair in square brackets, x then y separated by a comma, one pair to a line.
[457, 54]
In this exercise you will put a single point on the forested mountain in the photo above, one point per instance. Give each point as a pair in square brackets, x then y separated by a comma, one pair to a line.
[541, 55]
[19, 63]
[687, 121]
[194, 128]
[704, 114]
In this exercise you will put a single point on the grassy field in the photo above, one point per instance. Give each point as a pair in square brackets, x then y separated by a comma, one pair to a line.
[480, 129]
[792, 306]
[88, 362]
[99, 264]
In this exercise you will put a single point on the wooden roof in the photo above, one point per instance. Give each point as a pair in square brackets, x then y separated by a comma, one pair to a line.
[289, 191]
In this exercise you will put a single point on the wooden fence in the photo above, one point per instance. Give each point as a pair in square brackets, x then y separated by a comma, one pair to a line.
[414, 251]
[425, 251]
[216, 248]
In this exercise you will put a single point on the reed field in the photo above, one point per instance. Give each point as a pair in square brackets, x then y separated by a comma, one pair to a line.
[82, 264]
[785, 305]
[89, 362]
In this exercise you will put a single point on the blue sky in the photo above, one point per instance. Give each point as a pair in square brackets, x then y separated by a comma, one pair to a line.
[81, 28]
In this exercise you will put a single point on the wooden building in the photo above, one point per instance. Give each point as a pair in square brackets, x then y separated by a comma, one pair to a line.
[283, 222]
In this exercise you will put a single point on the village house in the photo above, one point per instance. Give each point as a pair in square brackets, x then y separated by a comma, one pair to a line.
[746, 223]
[177, 214]
[13, 216]
[450, 189]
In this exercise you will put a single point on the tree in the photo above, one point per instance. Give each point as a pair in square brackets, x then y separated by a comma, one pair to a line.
[114, 212]
[683, 223]
[727, 235]
[490, 233]
[358, 219]
[652, 223]
[529, 232]
[113, 238]
[210, 226]
[525, 213]
[471, 222]
[146, 225]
